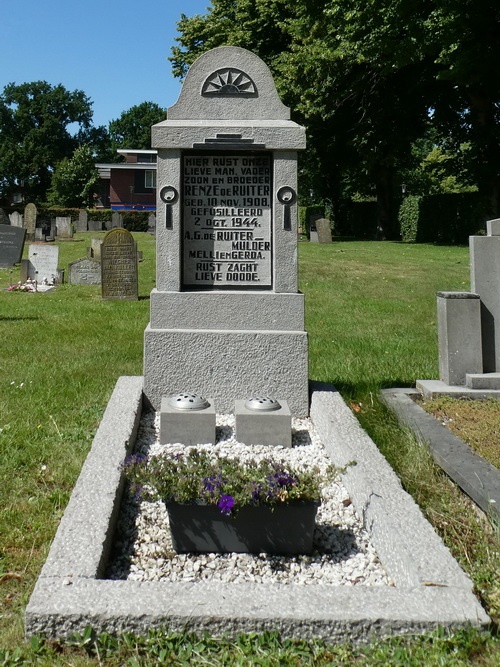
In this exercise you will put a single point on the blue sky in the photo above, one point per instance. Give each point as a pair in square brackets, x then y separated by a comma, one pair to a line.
[114, 50]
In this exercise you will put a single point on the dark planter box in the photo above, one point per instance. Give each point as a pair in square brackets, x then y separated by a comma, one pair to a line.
[281, 529]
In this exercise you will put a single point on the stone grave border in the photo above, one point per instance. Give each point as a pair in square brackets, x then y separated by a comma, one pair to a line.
[429, 587]
[477, 477]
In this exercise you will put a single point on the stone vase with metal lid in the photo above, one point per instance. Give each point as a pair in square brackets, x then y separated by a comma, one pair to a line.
[187, 418]
[261, 420]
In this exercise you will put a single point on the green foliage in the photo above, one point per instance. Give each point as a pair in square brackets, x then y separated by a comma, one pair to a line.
[228, 483]
[135, 221]
[357, 219]
[75, 180]
[446, 218]
[409, 215]
[133, 128]
[35, 134]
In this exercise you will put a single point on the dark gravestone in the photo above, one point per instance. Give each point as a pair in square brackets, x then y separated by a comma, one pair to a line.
[119, 266]
[11, 245]
[324, 230]
[4, 219]
[84, 272]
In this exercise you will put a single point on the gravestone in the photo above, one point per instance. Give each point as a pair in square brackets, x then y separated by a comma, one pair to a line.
[116, 219]
[82, 222]
[43, 260]
[95, 225]
[64, 228]
[16, 219]
[119, 266]
[469, 325]
[11, 245]
[95, 249]
[323, 230]
[30, 213]
[84, 271]
[4, 218]
[227, 319]
[151, 223]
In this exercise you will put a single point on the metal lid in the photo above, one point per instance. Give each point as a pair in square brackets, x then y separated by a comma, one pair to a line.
[262, 404]
[186, 401]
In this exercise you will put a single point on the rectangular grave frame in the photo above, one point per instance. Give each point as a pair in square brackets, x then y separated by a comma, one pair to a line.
[430, 589]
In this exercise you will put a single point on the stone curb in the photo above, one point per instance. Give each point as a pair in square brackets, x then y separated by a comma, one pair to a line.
[476, 476]
[430, 589]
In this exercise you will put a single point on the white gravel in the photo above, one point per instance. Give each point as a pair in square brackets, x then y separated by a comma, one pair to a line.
[342, 553]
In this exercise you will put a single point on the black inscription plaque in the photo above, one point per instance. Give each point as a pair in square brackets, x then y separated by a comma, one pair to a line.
[227, 230]
[119, 266]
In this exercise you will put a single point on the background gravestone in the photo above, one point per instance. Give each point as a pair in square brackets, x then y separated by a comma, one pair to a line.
[16, 219]
[227, 319]
[82, 222]
[11, 245]
[64, 228]
[151, 223]
[94, 252]
[4, 219]
[84, 271]
[30, 213]
[116, 219]
[323, 230]
[119, 266]
[43, 261]
[95, 226]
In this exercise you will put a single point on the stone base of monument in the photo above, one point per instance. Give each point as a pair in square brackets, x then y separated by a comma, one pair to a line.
[429, 588]
[188, 419]
[261, 426]
[224, 365]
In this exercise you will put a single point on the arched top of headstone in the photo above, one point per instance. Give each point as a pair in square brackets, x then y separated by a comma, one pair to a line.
[228, 83]
[118, 236]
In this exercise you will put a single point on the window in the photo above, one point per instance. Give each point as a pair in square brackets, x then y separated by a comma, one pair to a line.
[150, 178]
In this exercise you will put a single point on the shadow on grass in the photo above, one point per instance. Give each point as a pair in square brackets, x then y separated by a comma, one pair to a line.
[18, 319]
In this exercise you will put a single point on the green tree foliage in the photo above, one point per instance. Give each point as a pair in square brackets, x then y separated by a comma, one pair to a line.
[367, 77]
[75, 180]
[133, 128]
[36, 123]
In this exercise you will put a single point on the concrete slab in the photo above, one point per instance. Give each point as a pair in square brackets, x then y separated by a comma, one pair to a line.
[434, 388]
[478, 478]
[483, 380]
[429, 587]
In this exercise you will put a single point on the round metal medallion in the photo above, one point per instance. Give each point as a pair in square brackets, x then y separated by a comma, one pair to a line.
[169, 194]
[286, 195]
[262, 404]
[186, 401]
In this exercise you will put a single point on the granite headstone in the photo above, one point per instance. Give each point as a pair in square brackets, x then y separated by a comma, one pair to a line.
[119, 266]
[82, 222]
[227, 319]
[84, 271]
[323, 230]
[64, 228]
[11, 245]
[16, 219]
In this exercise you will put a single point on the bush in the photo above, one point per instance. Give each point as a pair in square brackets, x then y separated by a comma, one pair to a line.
[446, 218]
[135, 221]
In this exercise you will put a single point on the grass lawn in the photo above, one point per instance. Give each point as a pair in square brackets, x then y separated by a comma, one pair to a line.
[371, 318]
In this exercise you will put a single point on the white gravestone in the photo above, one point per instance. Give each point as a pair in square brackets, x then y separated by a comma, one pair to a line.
[43, 260]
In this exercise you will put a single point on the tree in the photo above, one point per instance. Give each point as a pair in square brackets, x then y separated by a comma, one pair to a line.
[366, 77]
[35, 134]
[133, 128]
[75, 180]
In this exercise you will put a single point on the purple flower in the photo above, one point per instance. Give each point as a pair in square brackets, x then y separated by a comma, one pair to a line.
[226, 504]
